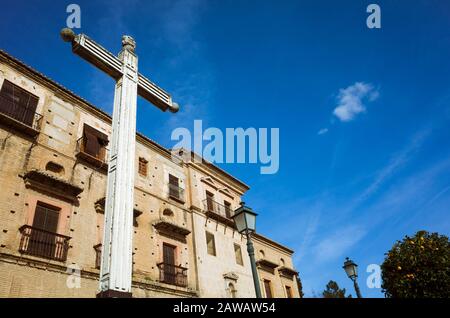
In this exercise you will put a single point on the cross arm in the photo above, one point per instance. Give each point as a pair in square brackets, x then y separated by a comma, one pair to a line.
[101, 58]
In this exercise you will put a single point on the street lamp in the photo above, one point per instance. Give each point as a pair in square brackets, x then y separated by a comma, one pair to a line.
[350, 268]
[245, 220]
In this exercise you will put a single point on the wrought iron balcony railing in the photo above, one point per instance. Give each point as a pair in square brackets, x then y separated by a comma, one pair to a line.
[41, 243]
[217, 208]
[172, 274]
[20, 113]
[176, 192]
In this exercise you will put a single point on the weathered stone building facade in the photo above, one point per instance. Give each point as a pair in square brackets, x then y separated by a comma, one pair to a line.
[53, 165]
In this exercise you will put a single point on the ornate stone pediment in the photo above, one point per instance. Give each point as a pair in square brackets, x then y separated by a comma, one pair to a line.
[287, 272]
[171, 229]
[231, 276]
[226, 192]
[266, 265]
[47, 182]
[209, 181]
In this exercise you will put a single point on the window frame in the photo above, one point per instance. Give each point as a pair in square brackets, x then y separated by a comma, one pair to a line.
[214, 250]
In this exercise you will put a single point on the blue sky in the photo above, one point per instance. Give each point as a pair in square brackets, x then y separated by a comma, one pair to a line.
[363, 114]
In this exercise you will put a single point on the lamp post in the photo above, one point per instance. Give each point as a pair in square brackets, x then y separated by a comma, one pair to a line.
[245, 220]
[350, 268]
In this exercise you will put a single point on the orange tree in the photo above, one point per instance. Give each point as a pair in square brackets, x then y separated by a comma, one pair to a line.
[418, 267]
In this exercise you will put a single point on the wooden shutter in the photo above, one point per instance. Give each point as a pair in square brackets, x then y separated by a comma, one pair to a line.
[169, 254]
[174, 190]
[169, 263]
[268, 288]
[94, 142]
[142, 167]
[46, 218]
[18, 103]
[42, 240]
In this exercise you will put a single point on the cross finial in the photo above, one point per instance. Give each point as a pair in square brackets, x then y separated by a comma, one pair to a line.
[128, 43]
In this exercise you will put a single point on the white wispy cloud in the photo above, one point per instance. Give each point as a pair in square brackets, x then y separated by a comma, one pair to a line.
[396, 163]
[351, 100]
[339, 242]
[322, 131]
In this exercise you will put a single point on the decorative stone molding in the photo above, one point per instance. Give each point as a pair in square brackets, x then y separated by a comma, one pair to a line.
[266, 265]
[231, 276]
[287, 272]
[164, 224]
[42, 180]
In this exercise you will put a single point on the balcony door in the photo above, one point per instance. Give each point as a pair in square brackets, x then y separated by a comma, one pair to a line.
[169, 263]
[42, 241]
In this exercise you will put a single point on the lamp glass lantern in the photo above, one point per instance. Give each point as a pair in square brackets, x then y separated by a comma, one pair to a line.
[350, 268]
[245, 219]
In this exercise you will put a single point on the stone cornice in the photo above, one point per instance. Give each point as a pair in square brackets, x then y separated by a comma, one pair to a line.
[264, 240]
[93, 274]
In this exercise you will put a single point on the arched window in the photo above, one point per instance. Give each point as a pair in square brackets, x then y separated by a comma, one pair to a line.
[282, 261]
[261, 254]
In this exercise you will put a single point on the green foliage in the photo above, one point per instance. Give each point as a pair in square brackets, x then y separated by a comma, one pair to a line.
[300, 287]
[333, 291]
[418, 267]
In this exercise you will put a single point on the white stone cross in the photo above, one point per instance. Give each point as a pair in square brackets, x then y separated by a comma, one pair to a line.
[117, 248]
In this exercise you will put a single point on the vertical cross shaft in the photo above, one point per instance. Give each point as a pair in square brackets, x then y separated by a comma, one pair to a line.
[117, 258]
[116, 265]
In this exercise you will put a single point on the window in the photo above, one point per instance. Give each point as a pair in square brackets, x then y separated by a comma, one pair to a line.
[142, 167]
[93, 143]
[238, 254]
[288, 292]
[261, 254]
[46, 217]
[210, 201]
[282, 262]
[17, 103]
[227, 208]
[175, 191]
[232, 290]
[42, 237]
[210, 244]
[268, 288]
[169, 264]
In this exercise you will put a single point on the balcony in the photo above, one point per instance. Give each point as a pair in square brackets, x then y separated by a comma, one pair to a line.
[176, 193]
[172, 274]
[41, 243]
[19, 117]
[219, 212]
[97, 156]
